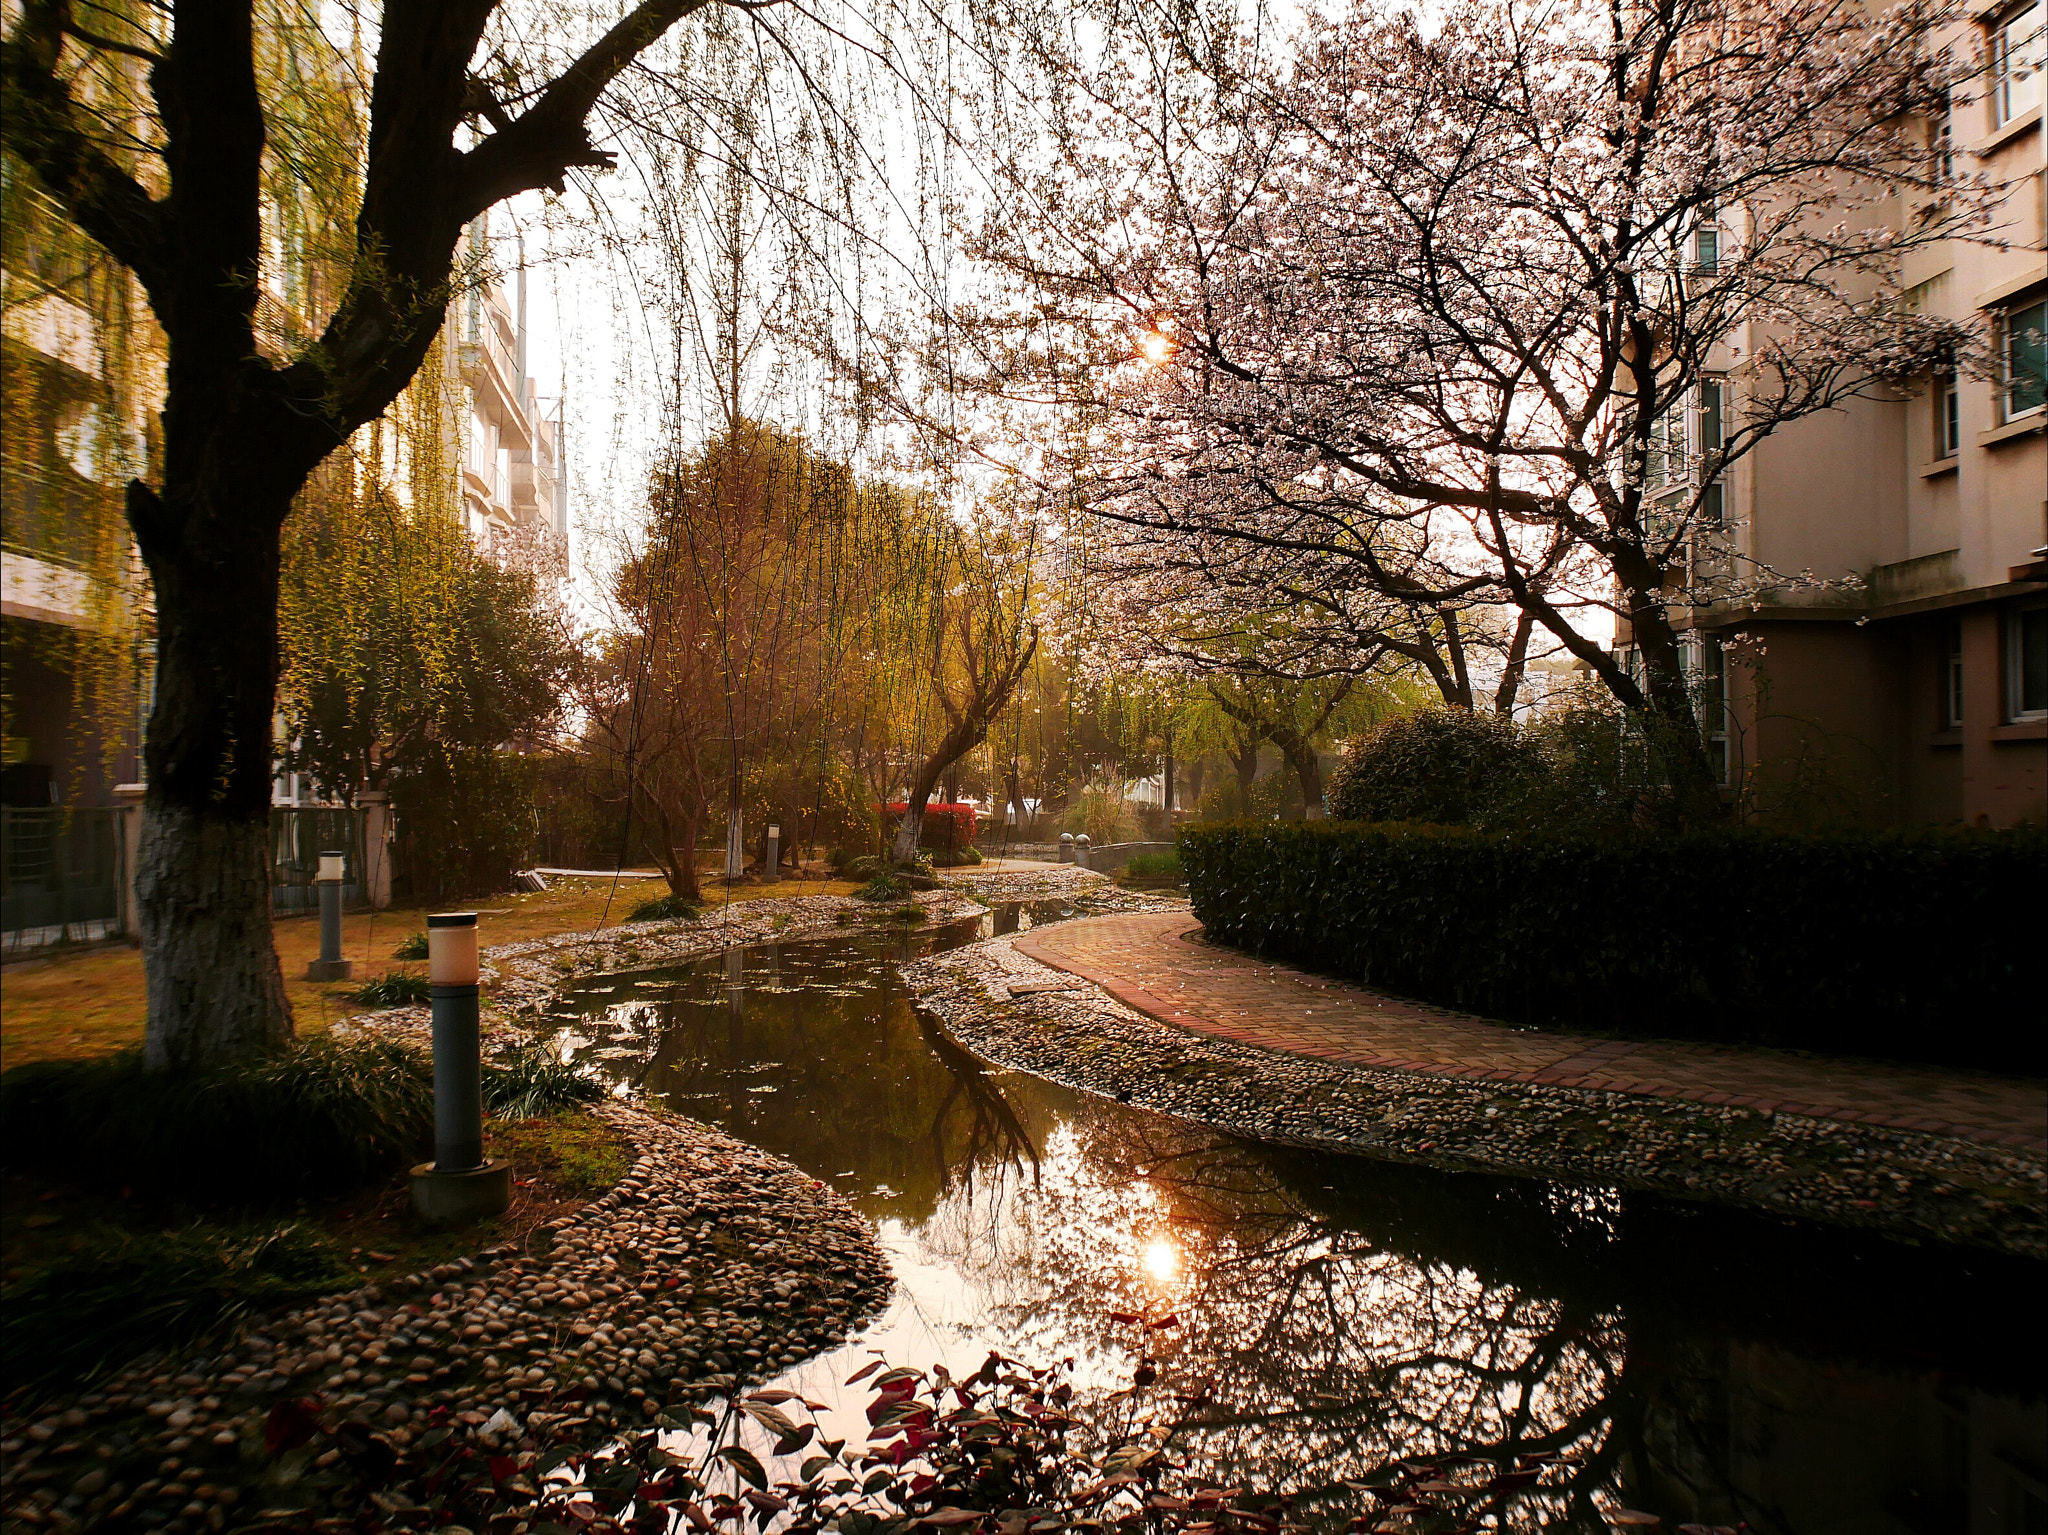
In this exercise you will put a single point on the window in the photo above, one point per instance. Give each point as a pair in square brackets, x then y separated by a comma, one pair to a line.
[2024, 373]
[1951, 714]
[1945, 142]
[2016, 65]
[1948, 418]
[2026, 661]
[1706, 248]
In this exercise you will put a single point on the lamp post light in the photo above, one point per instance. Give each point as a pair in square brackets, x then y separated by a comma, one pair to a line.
[771, 863]
[330, 966]
[459, 1184]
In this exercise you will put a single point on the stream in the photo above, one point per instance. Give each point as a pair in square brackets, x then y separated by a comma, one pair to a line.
[1710, 1367]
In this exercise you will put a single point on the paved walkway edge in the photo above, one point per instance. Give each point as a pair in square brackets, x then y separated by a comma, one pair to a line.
[1027, 1016]
[1597, 1065]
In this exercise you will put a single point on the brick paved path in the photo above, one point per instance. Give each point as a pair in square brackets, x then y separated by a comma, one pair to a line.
[1157, 963]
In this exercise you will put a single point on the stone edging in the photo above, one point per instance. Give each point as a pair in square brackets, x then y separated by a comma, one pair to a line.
[1031, 1017]
[599, 1331]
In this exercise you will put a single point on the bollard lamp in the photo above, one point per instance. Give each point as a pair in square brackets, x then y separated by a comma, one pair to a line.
[460, 1184]
[332, 873]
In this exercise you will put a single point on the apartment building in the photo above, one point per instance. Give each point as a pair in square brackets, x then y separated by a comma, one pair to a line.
[1914, 686]
[515, 492]
[79, 404]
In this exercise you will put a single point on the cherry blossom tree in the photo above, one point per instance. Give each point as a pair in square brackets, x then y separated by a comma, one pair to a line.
[1484, 314]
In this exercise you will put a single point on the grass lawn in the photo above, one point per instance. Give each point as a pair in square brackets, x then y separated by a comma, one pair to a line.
[88, 1003]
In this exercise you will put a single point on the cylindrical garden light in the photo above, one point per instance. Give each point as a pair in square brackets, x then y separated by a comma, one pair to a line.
[459, 1184]
[771, 862]
[330, 966]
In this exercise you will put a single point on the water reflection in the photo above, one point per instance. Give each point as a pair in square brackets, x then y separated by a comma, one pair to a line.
[1345, 1314]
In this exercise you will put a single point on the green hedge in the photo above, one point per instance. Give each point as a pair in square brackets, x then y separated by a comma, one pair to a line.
[1922, 945]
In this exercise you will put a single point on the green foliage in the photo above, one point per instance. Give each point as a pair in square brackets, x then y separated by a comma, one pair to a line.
[1444, 766]
[405, 649]
[665, 908]
[414, 947]
[395, 988]
[1273, 797]
[1861, 942]
[885, 886]
[533, 1080]
[128, 1293]
[1153, 869]
[326, 1116]
[465, 821]
[572, 1149]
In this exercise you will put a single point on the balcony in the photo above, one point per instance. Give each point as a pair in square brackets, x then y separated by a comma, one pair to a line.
[51, 324]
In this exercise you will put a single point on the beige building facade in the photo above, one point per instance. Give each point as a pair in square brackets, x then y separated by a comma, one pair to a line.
[1911, 685]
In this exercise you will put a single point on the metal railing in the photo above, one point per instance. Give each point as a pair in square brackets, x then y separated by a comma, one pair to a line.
[62, 874]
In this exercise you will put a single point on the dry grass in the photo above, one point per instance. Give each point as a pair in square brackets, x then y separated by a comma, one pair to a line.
[91, 1003]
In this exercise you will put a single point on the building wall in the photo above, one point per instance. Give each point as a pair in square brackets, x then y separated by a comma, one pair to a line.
[1926, 543]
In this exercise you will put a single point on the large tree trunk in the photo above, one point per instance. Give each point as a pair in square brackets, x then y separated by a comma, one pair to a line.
[203, 881]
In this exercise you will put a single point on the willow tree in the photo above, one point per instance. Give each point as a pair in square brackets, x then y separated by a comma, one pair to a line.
[456, 123]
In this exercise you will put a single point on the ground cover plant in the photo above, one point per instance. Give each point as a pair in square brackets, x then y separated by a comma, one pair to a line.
[326, 1116]
[396, 988]
[664, 908]
[532, 1080]
[130, 1291]
[1581, 931]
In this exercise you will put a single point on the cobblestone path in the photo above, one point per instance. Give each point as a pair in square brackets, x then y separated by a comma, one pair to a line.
[1158, 964]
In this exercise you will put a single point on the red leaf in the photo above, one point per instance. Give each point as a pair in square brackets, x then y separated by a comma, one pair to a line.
[290, 1425]
[502, 1468]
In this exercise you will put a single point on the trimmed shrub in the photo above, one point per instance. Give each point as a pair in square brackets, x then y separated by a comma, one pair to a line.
[1916, 945]
[322, 1118]
[1444, 766]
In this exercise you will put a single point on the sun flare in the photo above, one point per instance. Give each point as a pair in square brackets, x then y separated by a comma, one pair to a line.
[1162, 1259]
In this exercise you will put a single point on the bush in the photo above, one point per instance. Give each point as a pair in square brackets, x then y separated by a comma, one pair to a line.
[325, 1117]
[1448, 767]
[414, 947]
[665, 908]
[532, 1081]
[128, 1294]
[1876, 943]
[395, 988]
[465, 822]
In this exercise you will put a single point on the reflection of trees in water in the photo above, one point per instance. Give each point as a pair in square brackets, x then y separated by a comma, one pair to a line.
[1401, 1314]
[1329, 1357]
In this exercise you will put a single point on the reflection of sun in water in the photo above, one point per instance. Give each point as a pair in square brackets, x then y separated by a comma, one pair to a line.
[1162, 1260]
